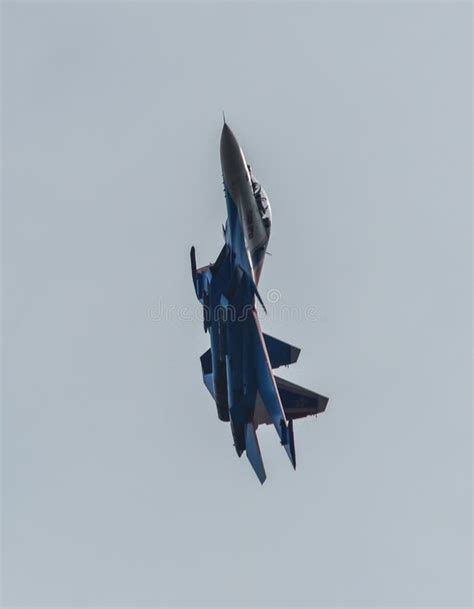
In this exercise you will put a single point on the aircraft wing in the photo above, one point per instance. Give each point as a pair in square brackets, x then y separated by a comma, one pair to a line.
[268, 390]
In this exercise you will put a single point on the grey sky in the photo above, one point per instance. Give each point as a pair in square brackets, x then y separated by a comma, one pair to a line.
[120, 486]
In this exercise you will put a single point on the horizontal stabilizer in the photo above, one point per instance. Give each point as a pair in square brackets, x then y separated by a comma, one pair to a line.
[254, 455]
[299, 402]
[279, 352]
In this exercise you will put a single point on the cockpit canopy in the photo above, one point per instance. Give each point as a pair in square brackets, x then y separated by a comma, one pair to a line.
[263, 203]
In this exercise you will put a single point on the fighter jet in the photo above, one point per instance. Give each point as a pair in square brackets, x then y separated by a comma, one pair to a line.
[238, 368]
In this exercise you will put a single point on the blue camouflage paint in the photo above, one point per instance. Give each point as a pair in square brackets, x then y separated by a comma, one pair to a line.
[238, 367]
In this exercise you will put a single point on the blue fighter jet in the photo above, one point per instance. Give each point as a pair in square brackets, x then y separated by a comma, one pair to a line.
[238, 368]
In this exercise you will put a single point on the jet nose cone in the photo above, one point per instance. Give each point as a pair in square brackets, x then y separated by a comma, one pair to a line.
[232, 158]
[228, 140]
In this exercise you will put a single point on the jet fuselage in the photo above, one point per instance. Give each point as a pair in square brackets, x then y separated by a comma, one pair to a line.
[237, 369]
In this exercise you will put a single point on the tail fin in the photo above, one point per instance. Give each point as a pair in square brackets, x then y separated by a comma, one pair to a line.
[194, 270]
[201, 276]
[254, 455]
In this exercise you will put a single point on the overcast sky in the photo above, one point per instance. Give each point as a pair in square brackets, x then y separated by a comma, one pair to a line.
[120, 486]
